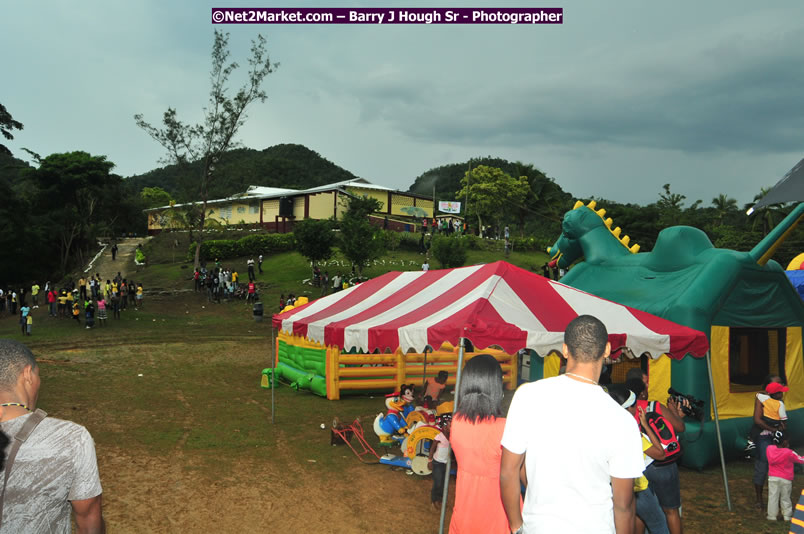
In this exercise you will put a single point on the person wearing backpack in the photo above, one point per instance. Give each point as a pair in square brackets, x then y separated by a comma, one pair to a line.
[649, 512]
[667, 422]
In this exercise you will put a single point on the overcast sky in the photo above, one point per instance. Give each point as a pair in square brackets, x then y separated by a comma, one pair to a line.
[620, 99]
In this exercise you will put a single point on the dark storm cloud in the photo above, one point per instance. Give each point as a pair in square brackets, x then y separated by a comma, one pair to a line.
[733, 98]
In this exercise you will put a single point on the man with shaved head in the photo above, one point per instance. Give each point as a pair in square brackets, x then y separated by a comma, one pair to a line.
[51, 468]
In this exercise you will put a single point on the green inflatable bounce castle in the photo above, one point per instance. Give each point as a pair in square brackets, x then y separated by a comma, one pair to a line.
[742, 300]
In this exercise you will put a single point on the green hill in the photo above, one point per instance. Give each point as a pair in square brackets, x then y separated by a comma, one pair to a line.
[287, 165]
[539, 215]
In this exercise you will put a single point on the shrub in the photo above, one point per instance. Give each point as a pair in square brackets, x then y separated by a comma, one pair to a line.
[251, 245]
[391, 239]
[409, 241]
[449, 251]
[473, 242]
[254, 245]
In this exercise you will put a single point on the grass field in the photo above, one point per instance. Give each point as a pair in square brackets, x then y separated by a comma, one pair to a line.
[189, 446]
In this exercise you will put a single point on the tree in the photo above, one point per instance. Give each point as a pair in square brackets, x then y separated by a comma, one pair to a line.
[154, 197]
[7, 124]
[769, 215]
[223, 118]
[492, 193]
[359, 240]
[723, 205]
[670, 205]
[314, 239]
[449, 251]
[76, 195]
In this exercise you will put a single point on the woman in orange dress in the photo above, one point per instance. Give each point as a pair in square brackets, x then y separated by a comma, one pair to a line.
[477, 429]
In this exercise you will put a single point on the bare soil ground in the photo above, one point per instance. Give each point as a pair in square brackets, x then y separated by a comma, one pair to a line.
[189, 446]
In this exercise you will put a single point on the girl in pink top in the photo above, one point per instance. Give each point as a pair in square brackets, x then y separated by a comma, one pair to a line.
[780, 476]
[101, 312]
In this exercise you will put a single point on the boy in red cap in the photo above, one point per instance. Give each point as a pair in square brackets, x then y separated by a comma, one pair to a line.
[773, 412]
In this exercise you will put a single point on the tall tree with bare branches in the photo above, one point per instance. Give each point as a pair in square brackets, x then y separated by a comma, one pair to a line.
[208, 140]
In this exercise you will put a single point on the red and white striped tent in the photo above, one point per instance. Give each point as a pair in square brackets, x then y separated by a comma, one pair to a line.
[494, 304]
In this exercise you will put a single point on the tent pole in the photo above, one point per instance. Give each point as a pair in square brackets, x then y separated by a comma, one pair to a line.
[273, 374]
[449, 447]
[717, 430]
[424, 371]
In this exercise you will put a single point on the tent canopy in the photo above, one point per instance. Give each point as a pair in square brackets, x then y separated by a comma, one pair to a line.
[494, 304]
[789, 189]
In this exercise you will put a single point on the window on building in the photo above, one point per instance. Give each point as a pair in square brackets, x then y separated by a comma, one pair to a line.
[755, 353]
[226, 212]
[241, 209]
[254, 209]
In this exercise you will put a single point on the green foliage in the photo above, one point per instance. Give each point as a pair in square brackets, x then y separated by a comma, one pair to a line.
[7, 124]
[359, 240]
[541, 212]
[285, 166]
[77, 194]
[252, 245]
[449, 251]
[474, 242]
[531, 244]
[491, 193]
[403, 240]
[670, 206]
[209, 140]
[154, 197]
[314, 239]
[391, 240]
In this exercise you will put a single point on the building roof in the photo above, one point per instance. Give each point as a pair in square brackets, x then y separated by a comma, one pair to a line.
[258, 192]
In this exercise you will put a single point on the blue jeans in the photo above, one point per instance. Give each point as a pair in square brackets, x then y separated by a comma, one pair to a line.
[761, 461]
[649, 511]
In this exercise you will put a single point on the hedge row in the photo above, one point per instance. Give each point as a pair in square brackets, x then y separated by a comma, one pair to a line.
[251, 245]
[534, 244]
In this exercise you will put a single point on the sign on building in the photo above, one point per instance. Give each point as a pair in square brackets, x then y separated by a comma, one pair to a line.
[449, 206]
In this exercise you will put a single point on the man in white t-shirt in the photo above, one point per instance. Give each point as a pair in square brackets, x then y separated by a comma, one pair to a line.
[426, 265]
[583, 450]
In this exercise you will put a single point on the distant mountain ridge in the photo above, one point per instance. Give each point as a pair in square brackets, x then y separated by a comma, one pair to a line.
[288, 166]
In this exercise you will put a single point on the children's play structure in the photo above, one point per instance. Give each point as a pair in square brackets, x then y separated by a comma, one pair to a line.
[742, 300]
[393, 320]
[379, 335]
[795, 272]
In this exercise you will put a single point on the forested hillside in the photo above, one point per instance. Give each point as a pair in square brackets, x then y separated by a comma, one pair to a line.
[290, 166]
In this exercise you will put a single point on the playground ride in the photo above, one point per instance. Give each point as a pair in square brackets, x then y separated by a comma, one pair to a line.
[742, 300]
[328, 372]
[393, 426]
[418, 439]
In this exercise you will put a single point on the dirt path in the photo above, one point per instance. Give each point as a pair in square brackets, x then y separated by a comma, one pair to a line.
[124, 263]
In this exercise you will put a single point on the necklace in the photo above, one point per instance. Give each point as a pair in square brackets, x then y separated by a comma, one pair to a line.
[15, 404]
[583, 378]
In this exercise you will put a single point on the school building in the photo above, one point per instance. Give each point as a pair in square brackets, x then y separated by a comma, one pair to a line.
[276, 209]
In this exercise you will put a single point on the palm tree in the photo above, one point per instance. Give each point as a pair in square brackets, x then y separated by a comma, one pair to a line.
[770, 215]
[724, 205]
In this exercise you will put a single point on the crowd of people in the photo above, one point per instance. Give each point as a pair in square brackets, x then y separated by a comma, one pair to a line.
[224, 283]
[85, 301]
[606, 461]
